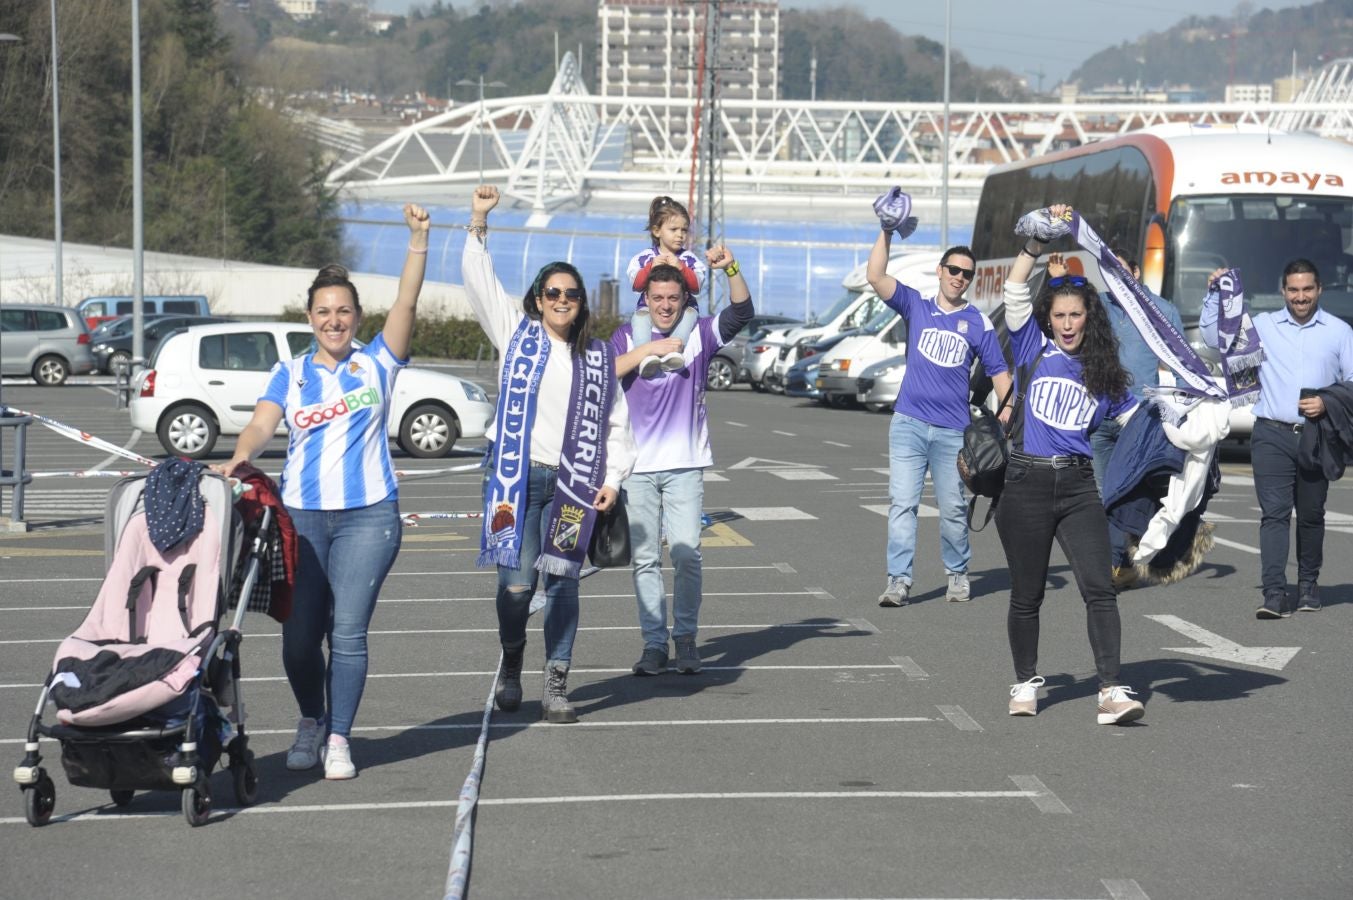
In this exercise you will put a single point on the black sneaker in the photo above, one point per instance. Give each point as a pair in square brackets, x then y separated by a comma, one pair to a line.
[1274, 607]
[652, 662]
[1309, 600]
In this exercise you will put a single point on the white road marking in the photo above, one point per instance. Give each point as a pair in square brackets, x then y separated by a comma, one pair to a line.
[590, 722]
[909, 667]
[836, 443]
[802, 475]
[1044, 799]
[735, 424]
[962, 721]
[757, 462]
[711, 477]
[849, 623]
[772, 513]
[1236, 545]
[1238, 480]
[865, 625]
[107, 815]
[786, 568]
[261, 679]
[922, 511]
[785, 433]
[1217, 647]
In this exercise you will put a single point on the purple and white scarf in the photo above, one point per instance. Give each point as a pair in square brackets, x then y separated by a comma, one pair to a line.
[582, 468]
[1193, 379]
[1241, 351]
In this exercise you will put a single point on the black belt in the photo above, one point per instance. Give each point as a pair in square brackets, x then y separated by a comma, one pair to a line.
[1049, 462]
[1294, 427]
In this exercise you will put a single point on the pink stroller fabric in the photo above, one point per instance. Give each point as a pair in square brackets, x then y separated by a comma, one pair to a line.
[142, 641]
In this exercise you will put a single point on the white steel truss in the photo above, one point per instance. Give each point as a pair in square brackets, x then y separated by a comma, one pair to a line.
[564, 145]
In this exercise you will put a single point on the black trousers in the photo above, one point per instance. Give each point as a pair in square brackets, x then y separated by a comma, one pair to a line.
[1281, 484]
[1038, 505]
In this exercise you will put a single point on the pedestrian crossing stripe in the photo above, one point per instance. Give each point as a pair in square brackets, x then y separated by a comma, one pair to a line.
[922, 511]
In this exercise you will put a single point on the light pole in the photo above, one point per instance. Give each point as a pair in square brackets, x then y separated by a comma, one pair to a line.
[8, 38]
[465, 82]
[944, 145]
[56, 164]
[138, 242]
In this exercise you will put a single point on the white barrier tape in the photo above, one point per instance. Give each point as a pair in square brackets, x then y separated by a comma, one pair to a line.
[83, 437]
[412, 519]
[89, 473]
[458, 872]
[428, 473]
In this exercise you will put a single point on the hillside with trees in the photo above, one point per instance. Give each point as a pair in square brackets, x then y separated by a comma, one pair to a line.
[224, 173]
[513, 41]
[1210, 52]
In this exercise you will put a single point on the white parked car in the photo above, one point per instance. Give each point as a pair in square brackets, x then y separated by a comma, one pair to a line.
[204, 381]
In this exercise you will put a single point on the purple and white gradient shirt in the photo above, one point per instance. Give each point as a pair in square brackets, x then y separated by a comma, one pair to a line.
[940, 350]
[667, 412]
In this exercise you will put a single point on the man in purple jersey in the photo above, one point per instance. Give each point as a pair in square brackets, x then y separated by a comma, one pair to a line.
[944, 334]
[671, 430]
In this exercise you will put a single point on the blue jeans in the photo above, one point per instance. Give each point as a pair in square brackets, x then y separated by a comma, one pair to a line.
[1102, 441]
[674, 500]
[515, 586]
[913, 447]
[345, 555]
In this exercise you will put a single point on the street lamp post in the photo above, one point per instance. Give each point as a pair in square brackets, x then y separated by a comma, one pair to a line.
[465, 82]
[56, 165]
[944, 145]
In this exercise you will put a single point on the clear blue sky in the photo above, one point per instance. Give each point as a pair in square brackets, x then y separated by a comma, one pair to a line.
[1021, 36]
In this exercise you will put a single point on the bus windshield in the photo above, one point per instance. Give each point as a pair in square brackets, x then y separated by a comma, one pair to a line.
[1259, 234]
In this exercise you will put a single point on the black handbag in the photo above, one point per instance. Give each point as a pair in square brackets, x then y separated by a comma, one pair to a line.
[985, 454]
[610, 544]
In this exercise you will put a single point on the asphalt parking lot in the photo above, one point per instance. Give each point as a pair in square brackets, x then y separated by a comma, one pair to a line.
[830, 748]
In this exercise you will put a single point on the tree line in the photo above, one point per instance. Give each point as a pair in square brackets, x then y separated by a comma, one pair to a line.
[224, 173]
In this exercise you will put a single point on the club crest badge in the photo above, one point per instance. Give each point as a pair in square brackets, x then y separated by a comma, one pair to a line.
[567, 532]
[962, 326]
[503, 519]
[353, 368]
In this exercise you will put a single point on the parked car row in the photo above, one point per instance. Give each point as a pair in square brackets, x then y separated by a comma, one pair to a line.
[204, 381]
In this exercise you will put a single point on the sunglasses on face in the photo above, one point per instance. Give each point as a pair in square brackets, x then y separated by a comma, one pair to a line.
[573, 295]
[959, 270]
[1073, 280]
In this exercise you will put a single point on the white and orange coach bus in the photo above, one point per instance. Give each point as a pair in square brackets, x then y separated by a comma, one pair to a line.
[1183, 200]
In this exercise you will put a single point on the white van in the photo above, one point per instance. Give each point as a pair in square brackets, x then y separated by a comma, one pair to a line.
[856, 308]
[841, 366]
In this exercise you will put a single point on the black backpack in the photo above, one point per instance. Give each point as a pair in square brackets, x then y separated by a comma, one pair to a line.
[986, 448]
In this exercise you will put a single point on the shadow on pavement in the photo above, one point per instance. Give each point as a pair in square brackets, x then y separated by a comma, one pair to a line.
[1181, 680]
[718, 654]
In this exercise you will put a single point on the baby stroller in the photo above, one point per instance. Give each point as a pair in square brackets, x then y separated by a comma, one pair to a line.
[147, 688]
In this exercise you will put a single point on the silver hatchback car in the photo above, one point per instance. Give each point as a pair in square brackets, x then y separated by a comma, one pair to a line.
[48, 343]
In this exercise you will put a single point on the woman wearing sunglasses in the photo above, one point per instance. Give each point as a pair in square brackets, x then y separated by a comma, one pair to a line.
[1071, 380]
[561, 445]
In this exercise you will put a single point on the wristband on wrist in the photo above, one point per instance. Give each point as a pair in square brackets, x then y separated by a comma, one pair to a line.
[1032, 248]
[478, 230]
[413, 249]
[732, 269]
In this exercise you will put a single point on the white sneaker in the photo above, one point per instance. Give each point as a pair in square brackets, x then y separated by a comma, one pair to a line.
[1024, 697]
[673, 362]
[959, 590]
[338, 761]
[1116, 706]
[304, 752]
[650, 366]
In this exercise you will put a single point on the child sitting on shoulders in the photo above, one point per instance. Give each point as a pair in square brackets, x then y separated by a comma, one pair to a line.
[668, 224]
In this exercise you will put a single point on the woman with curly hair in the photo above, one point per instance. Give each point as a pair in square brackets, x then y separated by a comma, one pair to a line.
[1070, 380]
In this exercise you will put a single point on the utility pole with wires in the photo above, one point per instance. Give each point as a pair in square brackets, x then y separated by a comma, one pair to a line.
[705, 200]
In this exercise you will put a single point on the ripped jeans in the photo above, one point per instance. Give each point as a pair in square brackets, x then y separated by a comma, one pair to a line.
[515, 586]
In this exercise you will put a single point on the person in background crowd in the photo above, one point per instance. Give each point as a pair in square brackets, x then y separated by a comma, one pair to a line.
[944, 334]
[1305, 349]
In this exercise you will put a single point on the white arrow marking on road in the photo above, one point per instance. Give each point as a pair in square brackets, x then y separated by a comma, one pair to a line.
[1217, 647]
[756, 462]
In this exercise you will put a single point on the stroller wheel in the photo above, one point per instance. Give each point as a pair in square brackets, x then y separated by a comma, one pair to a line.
[39, 801]
[197, 803]
[121, 798]
[245, 779]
